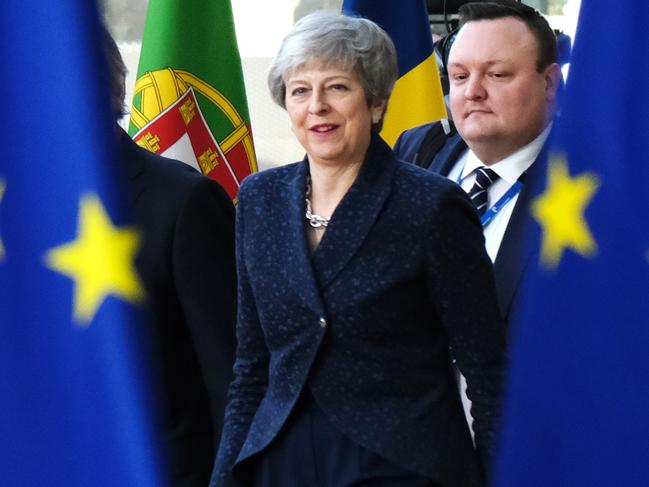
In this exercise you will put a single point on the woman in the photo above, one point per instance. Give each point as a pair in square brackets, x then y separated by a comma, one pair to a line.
[356, 275]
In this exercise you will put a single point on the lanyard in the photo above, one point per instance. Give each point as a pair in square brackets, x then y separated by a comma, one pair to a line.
[504, 199]
[491, 213]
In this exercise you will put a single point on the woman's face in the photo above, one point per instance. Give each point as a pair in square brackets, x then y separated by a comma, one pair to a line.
[329, 114]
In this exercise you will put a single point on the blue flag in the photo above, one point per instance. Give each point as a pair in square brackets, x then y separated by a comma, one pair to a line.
[73, 408]
[576, 412]
[417, 97]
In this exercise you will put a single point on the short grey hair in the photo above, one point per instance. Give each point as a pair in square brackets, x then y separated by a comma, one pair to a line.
[334, 39]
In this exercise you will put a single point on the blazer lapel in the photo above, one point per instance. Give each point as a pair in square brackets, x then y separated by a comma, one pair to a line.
[291, 209]
[514, 253]
[356, 213]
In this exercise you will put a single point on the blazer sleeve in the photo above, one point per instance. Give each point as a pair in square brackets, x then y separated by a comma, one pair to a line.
[466, 301]
[250, 367]
[205, 279]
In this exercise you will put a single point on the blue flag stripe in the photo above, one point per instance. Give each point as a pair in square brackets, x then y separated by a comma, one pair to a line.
[405, 22]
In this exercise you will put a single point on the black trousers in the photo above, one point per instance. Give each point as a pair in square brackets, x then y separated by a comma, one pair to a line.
[311, 452]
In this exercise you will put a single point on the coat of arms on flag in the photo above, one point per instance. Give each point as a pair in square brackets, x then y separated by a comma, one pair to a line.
[189, 101]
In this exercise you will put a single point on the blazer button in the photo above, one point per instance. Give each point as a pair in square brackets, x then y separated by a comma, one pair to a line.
[322, 322]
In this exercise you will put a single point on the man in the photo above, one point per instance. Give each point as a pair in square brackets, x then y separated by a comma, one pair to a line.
[503, 80]
[187, 265]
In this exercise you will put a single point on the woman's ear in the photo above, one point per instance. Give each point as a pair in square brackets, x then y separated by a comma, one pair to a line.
[377, 112]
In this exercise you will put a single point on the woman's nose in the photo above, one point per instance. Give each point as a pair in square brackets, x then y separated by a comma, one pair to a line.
[318, 103]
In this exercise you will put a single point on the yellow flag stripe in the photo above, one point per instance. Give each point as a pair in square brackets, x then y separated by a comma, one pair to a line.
[417, 98]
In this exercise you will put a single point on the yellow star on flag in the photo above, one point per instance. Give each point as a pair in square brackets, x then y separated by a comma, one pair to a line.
[2, 192]
[560, 212]
[100, 261]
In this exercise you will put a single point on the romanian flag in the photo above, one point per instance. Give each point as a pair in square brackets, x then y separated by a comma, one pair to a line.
[74, 389]
[576, 414]
[189, 100]
[417, 97]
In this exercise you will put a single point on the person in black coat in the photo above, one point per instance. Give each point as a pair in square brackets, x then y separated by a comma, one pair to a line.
[188, 269]
[504, 79]
[357, 274]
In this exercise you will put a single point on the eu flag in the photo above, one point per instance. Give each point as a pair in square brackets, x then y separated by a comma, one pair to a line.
[576, 412]
[417, 97]
[72, 393]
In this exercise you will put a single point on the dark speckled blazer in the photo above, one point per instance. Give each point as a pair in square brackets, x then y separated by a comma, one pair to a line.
[366, 321]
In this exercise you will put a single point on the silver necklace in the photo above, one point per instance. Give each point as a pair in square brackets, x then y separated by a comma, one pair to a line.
[316, 221]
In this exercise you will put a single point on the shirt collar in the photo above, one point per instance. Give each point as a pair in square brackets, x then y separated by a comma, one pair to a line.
[511, 167]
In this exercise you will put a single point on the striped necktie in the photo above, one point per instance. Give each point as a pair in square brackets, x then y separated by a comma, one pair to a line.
[484, 177]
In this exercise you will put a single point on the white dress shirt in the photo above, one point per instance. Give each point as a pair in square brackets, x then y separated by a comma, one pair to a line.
[509, 169]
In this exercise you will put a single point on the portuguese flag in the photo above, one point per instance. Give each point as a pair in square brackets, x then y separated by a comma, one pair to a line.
[189, 100]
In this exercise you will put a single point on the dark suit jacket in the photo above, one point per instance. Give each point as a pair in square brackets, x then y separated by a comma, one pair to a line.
[513, 257]
[366, 321]
[188, 267]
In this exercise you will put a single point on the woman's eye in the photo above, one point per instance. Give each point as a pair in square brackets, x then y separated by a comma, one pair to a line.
[338, 87]
[298, 91]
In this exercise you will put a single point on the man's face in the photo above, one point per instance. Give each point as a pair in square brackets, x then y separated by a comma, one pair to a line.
[498, 99]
